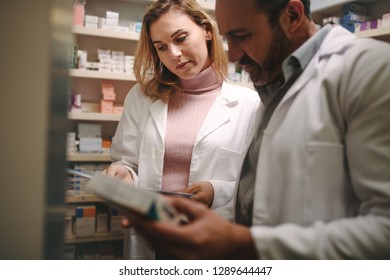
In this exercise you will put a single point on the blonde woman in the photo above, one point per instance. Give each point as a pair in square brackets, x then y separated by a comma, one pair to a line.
[184, 128]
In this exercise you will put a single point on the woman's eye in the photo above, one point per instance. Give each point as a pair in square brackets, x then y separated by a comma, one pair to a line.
[160, 48]
[181, 39]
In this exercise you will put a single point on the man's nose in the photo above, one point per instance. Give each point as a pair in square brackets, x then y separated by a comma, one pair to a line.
[234, 52]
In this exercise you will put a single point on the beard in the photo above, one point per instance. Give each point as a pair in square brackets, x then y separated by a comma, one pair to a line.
[271, 67]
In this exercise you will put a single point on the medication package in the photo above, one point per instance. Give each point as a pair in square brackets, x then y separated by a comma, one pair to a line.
[130, 199]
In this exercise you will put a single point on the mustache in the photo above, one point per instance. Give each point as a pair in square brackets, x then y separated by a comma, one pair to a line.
[246, 60]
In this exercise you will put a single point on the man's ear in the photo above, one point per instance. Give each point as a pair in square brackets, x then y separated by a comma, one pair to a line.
[292, 17]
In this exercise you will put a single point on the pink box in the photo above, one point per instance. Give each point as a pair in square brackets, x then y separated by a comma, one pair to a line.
[106, 107]
[108, 95]
[117, 110]
[78, 14]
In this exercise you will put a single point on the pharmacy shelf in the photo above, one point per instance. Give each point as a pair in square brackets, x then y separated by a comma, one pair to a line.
[81, 73]
[98, 237]
[97, 32]
[379, 33]
[92, 116]
[88, 197]
[95, 157]
[206, 5]
[320, 5]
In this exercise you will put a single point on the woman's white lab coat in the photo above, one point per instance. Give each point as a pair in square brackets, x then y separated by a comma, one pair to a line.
[218, 149]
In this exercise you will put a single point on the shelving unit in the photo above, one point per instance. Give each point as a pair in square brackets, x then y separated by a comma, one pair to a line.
[88, 84]
[91, 74]
[326, 8]
[78, 157]
[80, 30]
[380, 34]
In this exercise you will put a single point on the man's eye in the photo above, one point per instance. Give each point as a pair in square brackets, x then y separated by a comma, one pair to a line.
[241, 37]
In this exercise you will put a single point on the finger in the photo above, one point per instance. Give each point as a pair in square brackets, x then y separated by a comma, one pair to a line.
[126, 222]
[192, 209]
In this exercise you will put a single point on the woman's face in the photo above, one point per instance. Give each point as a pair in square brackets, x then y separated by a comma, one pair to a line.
[180, 44]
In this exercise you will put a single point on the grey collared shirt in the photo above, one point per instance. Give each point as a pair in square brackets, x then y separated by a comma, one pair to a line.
[292, 67]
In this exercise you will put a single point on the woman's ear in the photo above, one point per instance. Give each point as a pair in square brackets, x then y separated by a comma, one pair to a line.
[209, 36]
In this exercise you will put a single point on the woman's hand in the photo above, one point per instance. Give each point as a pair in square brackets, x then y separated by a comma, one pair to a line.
[120, 172]
[203, 192]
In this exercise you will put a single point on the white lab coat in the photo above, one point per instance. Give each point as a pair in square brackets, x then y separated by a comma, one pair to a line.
[218, 149]
[323, 178]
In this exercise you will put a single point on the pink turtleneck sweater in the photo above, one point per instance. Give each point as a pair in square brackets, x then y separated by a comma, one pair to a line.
[187, 109]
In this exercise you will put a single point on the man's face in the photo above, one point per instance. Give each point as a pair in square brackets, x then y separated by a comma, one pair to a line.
[256, 45]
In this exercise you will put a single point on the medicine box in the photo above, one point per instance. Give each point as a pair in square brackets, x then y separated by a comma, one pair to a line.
[85, 220]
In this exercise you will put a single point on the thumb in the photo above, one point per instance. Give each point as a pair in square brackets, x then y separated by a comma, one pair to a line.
[192, 209]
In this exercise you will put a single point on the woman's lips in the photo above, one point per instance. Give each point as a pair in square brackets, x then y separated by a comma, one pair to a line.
[182, 65]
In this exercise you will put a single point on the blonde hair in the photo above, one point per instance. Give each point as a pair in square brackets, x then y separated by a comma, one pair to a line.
[155, 79]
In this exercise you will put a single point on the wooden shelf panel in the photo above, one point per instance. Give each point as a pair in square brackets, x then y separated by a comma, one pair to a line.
[379, 33]
[88, 197]
[81, 73]
[98, 237]
[103, 157]
[97, 32]
[93, 116]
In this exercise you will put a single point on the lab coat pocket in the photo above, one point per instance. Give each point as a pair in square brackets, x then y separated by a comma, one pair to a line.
[324, 182]
[228, 165]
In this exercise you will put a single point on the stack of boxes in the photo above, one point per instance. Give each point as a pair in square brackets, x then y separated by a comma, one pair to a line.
[114, 61]
[111, 22]
[91, 21]
[108, 97]
[90, 219]
[354, 14]
[129, 64]
[105, 60]
[79, 183]
[118, 62]
[90, 138]
[85, 220]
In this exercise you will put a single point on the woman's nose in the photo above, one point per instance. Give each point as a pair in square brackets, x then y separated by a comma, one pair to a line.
[175, 51]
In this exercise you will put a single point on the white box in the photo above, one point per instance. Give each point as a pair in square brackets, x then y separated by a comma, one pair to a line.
[90, 145]
[112, 15]
[89, 130]
[91, 19]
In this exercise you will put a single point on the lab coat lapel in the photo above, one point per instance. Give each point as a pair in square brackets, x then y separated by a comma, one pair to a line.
[328, 48]
[218, 115]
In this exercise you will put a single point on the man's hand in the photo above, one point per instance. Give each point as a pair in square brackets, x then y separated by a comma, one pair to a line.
[206, 236]
[120, 172]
